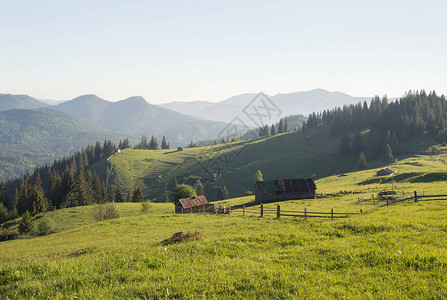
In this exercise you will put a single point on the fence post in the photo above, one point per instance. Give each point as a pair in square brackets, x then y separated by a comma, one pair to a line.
[415, 196]
[305, 213]
[182, 210]
[262, 210]
[278, 211]
[386, 201]
[361, 211]
[243, 210]
[332, 214]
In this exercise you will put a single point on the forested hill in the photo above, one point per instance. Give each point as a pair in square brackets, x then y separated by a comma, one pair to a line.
[384, 124]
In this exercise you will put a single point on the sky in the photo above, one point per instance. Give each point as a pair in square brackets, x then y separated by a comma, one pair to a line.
[207, 50]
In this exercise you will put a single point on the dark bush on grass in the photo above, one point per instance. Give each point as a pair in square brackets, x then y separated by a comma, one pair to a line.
[181, 237]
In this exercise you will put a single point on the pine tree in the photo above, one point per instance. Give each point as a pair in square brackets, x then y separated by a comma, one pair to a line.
[129, 196]
[286, 126]
[362, 162]
[3, 195]
[357, 145]
[281, 126]
[39, 202]
[166, 198]
[112, 195]
[4, 215]
[388, 155]
[199, 189]
[26, 224]
[137, 195]
[164, 145]
[222, 193]
[153, 145]
[119, 194]
[81, 193]
[272, 130]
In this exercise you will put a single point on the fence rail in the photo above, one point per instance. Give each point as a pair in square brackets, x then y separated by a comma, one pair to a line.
[292, 213]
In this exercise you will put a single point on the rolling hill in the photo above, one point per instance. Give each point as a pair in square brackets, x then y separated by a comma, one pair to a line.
[134, 116]
[34, 137]
[8, 101]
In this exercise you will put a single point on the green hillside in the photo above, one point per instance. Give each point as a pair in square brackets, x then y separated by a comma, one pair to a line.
[30, 138]
[312, 153]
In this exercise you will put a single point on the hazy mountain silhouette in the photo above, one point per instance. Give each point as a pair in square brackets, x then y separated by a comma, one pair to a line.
[8, 101]
[289, 104]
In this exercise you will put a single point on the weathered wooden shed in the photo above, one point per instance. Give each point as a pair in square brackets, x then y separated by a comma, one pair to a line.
[385, 172]
[196, 204]
[284, 189]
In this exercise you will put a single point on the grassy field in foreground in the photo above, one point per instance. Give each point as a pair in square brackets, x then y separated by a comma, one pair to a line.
[392, 252]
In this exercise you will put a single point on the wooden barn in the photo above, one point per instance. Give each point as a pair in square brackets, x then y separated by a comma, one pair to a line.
[284, 189]
[385, 172]
[193, 205]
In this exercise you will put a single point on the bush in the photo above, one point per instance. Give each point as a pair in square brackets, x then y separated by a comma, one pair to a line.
[181, 237]
[105, 211]
[26, 224]
[6, 235]
[248, 193]
[46, 226]
[145, 206]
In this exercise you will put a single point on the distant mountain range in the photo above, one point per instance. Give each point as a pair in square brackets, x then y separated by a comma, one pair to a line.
[32, 137]
[33, 132]
[301, 103]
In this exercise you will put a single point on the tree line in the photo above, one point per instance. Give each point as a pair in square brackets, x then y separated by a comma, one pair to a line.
[390, 123]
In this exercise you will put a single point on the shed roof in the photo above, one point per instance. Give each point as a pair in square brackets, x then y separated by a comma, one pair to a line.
[193, 202]
[385, 171]
[287, 185]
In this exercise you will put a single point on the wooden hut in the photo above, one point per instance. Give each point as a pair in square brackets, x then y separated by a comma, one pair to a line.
[193, 205]
[385, 172]
[284, 189]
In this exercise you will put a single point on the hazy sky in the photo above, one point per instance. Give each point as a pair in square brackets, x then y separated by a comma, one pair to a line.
[205, 50]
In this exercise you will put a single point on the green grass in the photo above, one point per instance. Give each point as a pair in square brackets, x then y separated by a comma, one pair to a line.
[393, 252]
[389, 252]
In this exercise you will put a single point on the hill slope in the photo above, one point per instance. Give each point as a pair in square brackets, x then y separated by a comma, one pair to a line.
[134, 116]
[34, 137]
[8, 101]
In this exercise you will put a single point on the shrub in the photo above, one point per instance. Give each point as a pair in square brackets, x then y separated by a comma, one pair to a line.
[145, 207]
[46, 226]
[26, 224]
[105, 211]
[248, 193]
[6, 235]
[181, 237]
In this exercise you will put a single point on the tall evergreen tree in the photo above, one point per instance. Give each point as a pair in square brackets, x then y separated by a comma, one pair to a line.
[388, 154]
[357, 145]
[137, 195]
[37, 197]
[222, 193]
[362, 162]
[119, 194]
[281, 126]
[343, 147]
[273, 130]
[3, 195]
[81, 193]
[286, 126]
[164, 144]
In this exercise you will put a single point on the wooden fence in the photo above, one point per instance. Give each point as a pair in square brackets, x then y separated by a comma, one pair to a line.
[278, 213]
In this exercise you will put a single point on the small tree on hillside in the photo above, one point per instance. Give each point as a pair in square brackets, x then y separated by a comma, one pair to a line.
[362, 162]
[222, 193]
[199, 189]
[26, 224]
[183, 191]
[389, 157]
[257, 177]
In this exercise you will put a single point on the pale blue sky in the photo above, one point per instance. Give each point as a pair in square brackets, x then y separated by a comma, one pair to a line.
[203, 50]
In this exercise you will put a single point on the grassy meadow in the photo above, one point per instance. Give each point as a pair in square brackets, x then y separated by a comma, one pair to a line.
[387, 252]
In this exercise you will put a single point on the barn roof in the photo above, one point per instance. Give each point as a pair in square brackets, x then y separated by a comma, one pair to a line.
[193, 202]
[287, 185]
